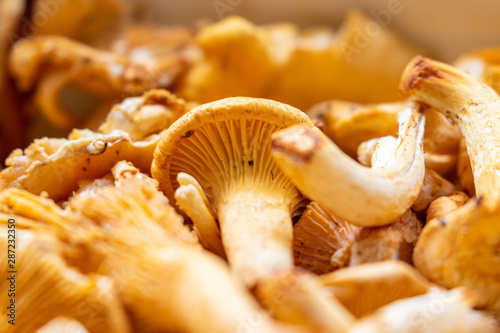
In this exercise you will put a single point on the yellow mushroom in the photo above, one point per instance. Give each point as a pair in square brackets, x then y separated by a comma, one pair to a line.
[360, 195]
[321, 241]
[364, 288]
[225, 146]
[346, 65]
[141, 244]
[301, 68]
[483, 64]
[435, 312]
[349, 124]
[444, 205]
[461, 248]
[75, 84]
[56, 165]
[299, 298]
[46, 287]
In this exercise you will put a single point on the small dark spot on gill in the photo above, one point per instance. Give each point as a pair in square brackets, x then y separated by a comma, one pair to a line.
[250, 163]
[117, 152]
[479, 200]
[447, 112]
[442, 221]
[84, 169]
[88, 160]
[272, 175]
[187, 134]
[456, 116]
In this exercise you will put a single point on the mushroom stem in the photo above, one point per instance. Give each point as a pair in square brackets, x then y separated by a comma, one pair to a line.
[192, 201]
[470, 104]
[360, 195]
[257, 232]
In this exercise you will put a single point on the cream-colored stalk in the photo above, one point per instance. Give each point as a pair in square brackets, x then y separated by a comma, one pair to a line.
[360, 195]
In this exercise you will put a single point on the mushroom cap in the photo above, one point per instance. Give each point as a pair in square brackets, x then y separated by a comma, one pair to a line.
[57, 165]
[365, 288]
[230, 109]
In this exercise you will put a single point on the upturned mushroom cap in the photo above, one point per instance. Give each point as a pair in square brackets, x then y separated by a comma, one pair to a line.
[360, 195]
[435, 312]
[460, 249]
[57, 165]
[225, 146]
[321, 241]
[364, 288]
[297, 297]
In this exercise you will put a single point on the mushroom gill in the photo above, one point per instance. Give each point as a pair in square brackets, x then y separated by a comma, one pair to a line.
[321, 241]
[47, 287]
[225, 146]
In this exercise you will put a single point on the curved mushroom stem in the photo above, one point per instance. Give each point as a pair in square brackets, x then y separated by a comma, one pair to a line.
[470, 104]
[192, 200]
[461, 247]
[257, 232]
[357, 194]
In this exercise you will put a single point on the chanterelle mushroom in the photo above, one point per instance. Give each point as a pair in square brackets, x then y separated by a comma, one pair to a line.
[142, 245]
[225, 146]
[75, 84]
[365, 288]
[129, 133]
[357, 194]
[47, 287]
[462, 247]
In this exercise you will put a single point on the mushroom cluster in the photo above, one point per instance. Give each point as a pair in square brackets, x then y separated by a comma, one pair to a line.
[277, 198]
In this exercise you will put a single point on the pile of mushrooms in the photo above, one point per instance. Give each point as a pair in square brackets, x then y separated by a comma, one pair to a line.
[246, 214]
